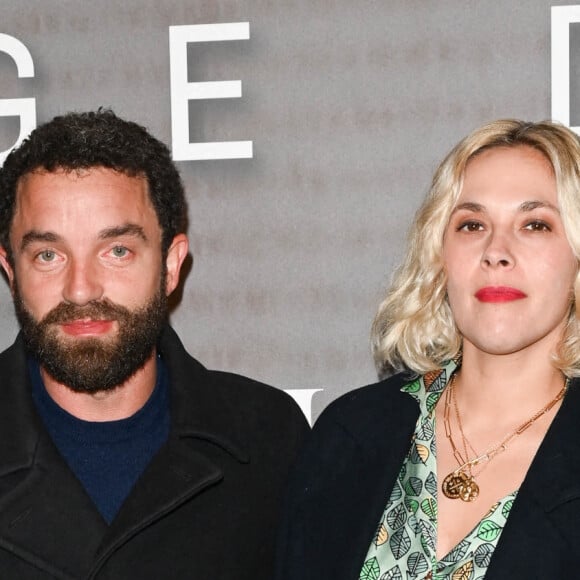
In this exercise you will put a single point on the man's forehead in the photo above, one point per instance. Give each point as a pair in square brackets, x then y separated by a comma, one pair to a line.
[98, 193]
[92, 180]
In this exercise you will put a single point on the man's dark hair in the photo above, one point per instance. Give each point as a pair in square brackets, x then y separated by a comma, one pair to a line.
[77, 141]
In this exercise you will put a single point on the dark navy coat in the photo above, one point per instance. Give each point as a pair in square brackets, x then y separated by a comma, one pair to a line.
[344, 478]
[207, 506]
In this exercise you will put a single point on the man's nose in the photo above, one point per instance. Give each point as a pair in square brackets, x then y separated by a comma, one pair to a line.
[83, 283]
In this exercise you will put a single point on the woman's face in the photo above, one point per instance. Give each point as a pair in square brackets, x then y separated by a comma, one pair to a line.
[510, 268]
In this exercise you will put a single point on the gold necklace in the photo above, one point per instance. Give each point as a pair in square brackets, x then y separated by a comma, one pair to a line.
[460, 484]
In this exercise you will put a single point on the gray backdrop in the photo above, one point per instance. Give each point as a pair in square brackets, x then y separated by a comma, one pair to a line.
[350, 106]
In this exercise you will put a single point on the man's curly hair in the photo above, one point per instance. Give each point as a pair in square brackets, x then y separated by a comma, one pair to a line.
[78, 141]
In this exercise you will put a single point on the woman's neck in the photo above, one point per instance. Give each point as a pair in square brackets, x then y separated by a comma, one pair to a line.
[506, 385]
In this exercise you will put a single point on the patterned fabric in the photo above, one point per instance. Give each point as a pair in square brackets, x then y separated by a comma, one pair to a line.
[404, 546]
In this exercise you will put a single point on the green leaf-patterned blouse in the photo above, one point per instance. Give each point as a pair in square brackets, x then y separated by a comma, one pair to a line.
[404, 546]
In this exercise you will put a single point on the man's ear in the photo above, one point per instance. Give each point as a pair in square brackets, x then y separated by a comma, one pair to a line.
[175, 256]
[6, 266]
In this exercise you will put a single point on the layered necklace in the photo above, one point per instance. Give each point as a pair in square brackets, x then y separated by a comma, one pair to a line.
[461, 484]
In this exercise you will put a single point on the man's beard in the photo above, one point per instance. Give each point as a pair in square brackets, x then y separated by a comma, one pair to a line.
[91, 365]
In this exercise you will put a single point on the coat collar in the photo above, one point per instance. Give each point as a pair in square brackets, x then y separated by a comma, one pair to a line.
[200, 408]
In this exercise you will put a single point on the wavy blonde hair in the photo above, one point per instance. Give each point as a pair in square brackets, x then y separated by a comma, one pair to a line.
[414, 327]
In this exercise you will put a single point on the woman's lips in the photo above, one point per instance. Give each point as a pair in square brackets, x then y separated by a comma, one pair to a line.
[87, 327]
[499, 294]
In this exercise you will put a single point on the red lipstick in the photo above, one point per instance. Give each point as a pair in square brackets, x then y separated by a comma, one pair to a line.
[499, 294]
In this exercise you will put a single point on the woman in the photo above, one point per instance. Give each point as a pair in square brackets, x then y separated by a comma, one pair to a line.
[465, 464]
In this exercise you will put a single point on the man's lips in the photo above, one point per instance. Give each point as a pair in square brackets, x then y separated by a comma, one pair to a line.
[499, 294]
[86, 327]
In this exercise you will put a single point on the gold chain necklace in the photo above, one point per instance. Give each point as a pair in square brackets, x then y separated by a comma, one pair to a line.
[460, 484]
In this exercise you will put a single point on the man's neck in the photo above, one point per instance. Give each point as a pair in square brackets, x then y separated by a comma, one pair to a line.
[119, 403]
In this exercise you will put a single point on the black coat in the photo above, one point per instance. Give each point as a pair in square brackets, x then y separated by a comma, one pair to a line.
[344, 477]
[206, 506]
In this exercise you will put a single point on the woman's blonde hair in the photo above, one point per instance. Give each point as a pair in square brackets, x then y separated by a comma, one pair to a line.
[414, 327]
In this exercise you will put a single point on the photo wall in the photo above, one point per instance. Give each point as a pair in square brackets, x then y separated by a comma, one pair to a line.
[306, 133]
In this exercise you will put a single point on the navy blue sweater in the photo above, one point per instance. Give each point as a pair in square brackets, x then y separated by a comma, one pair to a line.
[107, 457]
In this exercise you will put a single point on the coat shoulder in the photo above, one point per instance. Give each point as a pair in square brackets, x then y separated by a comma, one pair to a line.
[254, 398]
[249, 400]
[363, 423]
[356, 411]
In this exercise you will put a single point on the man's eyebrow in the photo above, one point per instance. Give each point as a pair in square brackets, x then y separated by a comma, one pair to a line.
[108, 233]
[36, 236]
[124, 230]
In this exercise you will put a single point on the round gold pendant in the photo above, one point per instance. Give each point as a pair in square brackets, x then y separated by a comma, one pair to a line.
[470, 490]
[453, 485]
[460, 485]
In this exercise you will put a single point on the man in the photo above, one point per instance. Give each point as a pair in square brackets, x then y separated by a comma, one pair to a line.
[121, 456]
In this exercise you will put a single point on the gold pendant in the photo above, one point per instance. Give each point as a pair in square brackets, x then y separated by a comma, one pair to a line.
[460, 485]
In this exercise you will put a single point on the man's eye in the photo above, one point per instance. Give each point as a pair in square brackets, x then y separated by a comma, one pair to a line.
[120, 251]
[46, 256]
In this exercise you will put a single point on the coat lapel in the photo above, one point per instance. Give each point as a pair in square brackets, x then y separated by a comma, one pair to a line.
[46, 518]
[174, 476]
[540, 539]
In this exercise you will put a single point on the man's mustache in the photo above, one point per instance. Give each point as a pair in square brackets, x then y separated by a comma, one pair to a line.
[97, 310]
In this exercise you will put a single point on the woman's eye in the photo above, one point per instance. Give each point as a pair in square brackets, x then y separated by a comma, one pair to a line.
[120, 251]
[538, 226]
[470, 226]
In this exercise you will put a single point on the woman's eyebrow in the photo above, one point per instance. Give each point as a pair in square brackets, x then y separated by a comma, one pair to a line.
[531, 205]
[469, 206]
[524, 206]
